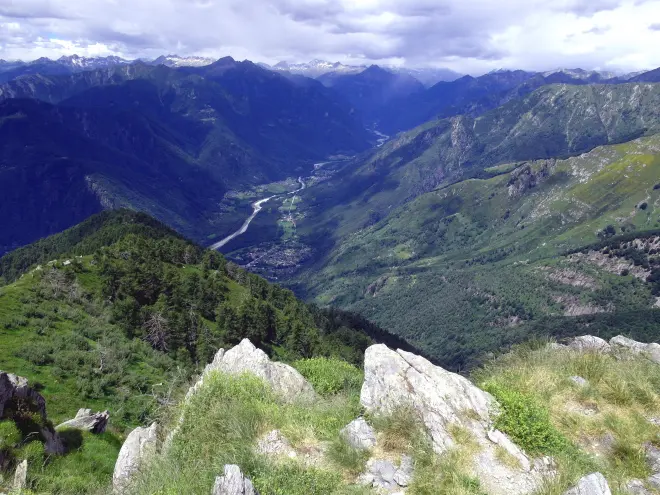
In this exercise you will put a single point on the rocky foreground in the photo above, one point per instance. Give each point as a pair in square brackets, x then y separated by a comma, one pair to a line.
[443, 402]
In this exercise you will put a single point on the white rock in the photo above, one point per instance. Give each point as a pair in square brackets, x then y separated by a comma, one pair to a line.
[654, 481]
[85, 420]
[589, 343]
[636, 487]
[499, 438]
[140, 445]
[246, 358]
[275, 444]
[442, 400]
[622, 345]
[359, 434]
[593, 484]
[233, 483]
[385, 476]
[401, 379]
[20, 476]
[579, 381]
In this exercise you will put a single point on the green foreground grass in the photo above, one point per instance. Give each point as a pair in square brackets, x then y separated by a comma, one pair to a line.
[603, 426]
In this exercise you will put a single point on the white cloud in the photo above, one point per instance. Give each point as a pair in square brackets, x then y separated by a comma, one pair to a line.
[466, 35]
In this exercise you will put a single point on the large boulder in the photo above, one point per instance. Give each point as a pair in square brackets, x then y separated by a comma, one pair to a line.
[14, 389]
[589, 343]
[85, 420]
[443, 400]
[233, 483]
[140, 446]
[593, 484]
[623, 347]
[246, 358]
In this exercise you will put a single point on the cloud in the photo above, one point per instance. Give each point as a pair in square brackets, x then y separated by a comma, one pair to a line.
[466, 35]
[655, 27]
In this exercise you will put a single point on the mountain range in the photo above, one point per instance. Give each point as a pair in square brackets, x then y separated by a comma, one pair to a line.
[108, 135]
[447, 201]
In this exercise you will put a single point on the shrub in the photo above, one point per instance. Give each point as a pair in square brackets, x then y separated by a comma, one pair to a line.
[330, 376]
[9, 435]
[526, 422]
[347, 457]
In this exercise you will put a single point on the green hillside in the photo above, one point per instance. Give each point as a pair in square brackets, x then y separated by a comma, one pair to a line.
[478, 264]
[555, 121]
[120, 311]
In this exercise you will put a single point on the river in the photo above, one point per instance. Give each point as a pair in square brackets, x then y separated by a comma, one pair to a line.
[256, 208]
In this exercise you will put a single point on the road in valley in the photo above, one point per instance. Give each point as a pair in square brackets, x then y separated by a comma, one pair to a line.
[256, 208]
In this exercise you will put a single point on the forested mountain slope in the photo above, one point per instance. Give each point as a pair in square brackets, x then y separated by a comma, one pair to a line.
[118, 313]
[166, 141]
[482, 262]
[553, 122]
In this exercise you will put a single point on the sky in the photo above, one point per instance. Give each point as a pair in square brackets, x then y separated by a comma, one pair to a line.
[468, 36]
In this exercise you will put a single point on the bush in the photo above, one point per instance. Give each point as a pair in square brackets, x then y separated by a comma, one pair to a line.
[526, 422]
[330, 376]
[9, 435]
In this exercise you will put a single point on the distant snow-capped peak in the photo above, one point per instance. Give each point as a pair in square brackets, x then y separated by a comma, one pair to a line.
[78, 62]
[316, 68]
[177, 61]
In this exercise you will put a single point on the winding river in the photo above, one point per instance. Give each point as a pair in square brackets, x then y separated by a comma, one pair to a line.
[257, 205]
[256, 208]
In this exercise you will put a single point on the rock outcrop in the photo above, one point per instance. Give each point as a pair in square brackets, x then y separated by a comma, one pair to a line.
[589, 343]
[140, 445]
[233, 483]
[15, 389]
[395, 379]
[246, 358]
[85, 420]
[359, 434]
[621, 346]
[593, 484]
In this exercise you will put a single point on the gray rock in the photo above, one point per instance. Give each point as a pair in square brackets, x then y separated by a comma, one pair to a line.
[499, 438]
[20, 476]
[385, 476]
[401, 379]
[654, 481]
[140, 445]
[579, 381]
[636, 487]
[624, 347]
[404, 474]
[593, 484]
[275, 444]
[359, 434]
[442, 400]
[653, 457]
[589, 343]
[13, 386]
[233, 483]
[86, 421]
[246, 358]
